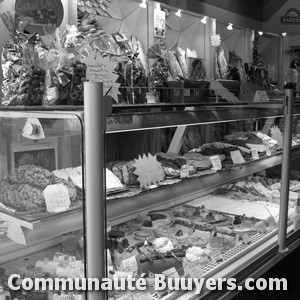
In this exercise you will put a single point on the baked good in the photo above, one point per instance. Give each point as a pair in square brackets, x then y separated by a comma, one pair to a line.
[171, 159]
[194, 254]
[124, 171]
[198, 160]
[22, 188]
[163, 245]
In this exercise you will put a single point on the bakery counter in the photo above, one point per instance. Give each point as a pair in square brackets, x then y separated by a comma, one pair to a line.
[123, 209]
[192, 115]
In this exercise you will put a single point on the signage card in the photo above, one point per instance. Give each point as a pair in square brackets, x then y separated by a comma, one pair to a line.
[57, 198]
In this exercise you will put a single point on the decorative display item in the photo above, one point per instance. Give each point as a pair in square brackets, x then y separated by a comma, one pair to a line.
[159, 23]
[149, 170]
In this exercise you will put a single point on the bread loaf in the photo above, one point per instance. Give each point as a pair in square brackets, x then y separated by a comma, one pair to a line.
[22, 188]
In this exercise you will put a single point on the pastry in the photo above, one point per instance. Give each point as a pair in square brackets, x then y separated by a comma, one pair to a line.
[22, 188]
[163, 245]
[194, 254]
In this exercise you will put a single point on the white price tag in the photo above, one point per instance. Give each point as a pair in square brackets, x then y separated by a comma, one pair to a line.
[293, 196]
[195, 269]
[216, 162]
[261, 227]
[237, 157]
[261, 96]
[184, 171]
[216, 256]
[57, 198]
[254, 154]
[268, 151]
[129, 265]
[246, 239]
[171, 273]
[272, 222]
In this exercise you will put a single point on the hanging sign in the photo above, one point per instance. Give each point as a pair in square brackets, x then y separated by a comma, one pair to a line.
[39, 16]
[292, 16]
[101, 69]
[159, 23]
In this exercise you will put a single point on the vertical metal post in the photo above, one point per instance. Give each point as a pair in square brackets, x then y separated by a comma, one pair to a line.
[94, 121]
[285, 167]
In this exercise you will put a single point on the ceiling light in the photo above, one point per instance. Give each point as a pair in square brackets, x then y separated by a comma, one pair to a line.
[230, 26]
[178, 13]
[144, 4]
[203, 20]
[260, 33]
[284, 34]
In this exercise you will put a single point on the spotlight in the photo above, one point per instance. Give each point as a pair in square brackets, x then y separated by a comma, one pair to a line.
[144, 4]
[230, 26]
[178, 13]
[260, 33]
[284, 34]
[203, 20]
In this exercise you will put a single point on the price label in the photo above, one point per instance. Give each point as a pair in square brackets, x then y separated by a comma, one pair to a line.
[129, 265]
[261, 227]
[293, 196]
[195, 269]
[171, 273]
[268, 151]
[272, 222]
[216, 256]
[296, 222]
[246, 239]
[216, 162]
[184, 171]
[57, 198]
[237, 157]
[254, 154]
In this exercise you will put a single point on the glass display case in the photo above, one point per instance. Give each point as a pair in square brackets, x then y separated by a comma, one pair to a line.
[42, 197]
[191, 191]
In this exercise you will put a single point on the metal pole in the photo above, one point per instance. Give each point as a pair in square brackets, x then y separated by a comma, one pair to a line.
[94, 121]
[285, 167]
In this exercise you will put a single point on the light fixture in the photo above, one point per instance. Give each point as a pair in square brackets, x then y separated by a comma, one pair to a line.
[203, 20]
[284, 34]
[260, 33]
[178, 13]
[144, 4]
[230, 26]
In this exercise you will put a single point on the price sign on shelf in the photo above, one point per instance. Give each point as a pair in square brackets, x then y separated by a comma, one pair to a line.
[237, 157]
[57, 198]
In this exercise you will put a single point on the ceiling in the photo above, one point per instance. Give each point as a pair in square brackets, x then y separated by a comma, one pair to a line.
[260, 10]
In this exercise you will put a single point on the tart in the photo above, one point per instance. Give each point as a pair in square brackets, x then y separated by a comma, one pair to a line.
[194, 254]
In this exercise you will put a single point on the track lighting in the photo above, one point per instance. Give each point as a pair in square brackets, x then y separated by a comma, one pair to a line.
[178, 13]
[144, 4]
[260, 33]
[230, 26]
[284, 34]
[203, 20]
